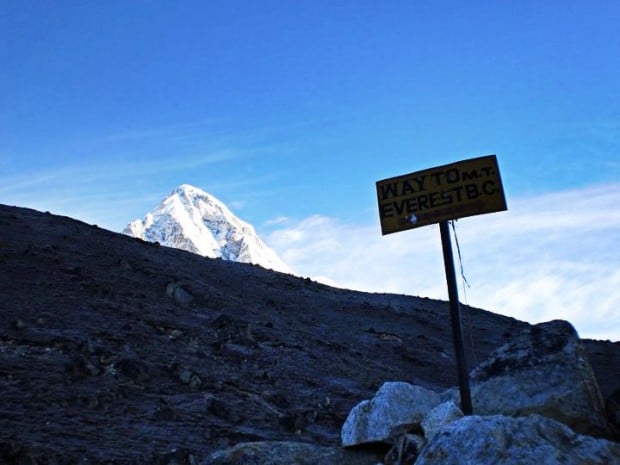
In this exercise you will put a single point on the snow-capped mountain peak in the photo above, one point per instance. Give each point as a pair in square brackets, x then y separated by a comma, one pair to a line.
[193, 220]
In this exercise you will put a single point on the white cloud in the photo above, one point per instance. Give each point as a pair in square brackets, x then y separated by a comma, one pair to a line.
[277, 220]
[549, 256]
[237, 204]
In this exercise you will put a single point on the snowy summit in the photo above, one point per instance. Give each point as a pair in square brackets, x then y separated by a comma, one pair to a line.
[193, 220]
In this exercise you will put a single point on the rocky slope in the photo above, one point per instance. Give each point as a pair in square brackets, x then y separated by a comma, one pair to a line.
[118, 351]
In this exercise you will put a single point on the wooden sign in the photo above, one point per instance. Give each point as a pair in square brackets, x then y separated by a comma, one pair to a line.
[465, 188]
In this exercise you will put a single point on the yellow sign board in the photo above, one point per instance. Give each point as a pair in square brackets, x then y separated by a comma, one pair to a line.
[465, 188]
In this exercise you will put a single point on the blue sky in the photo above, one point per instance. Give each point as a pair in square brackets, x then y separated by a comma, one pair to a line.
[290, 111]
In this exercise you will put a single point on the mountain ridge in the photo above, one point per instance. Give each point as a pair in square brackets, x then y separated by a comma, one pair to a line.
[191, 219]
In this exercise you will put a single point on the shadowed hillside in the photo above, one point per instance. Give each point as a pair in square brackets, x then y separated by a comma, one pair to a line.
[120, 351]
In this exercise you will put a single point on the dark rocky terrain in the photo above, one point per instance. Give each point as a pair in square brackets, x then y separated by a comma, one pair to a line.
[114, 350]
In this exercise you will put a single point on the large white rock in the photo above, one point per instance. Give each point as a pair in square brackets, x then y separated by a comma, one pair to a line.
[395, 409]
[545, 371]
[505, 440]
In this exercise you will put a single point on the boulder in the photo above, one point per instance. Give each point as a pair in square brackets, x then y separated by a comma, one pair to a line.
[396, 408]
[289, 453]
[506, 440]
[440, 416]
[544, 371]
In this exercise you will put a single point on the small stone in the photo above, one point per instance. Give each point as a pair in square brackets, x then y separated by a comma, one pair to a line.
[326, 403]
[175, 333]
[185, 376]
[43, 319]
[179, 293]
[195, 382]
[311, 416]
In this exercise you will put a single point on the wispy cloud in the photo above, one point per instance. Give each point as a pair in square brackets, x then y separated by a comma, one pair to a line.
[105, 192]
[115, 169]
[279, 220]
[551, 256]
[169, 131]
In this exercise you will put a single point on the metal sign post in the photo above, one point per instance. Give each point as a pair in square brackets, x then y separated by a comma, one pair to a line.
[455, 316]
[438, 195]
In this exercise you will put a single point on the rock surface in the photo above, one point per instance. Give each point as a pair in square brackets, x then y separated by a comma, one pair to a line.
[396, 408]
[500, 439]
[518, 379]
[544, 370]
[442, 415]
